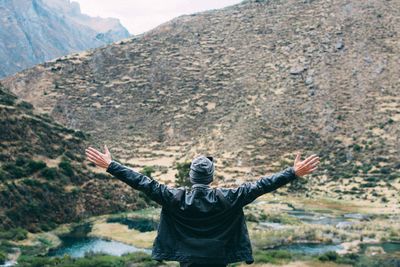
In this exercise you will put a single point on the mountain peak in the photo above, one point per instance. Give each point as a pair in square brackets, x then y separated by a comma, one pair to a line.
[36, 31]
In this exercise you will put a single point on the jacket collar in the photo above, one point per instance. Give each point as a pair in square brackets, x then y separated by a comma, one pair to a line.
[200, 186]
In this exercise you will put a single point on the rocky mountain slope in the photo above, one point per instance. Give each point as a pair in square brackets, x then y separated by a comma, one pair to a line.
[250, 84]
[44, 180]
[34, 31]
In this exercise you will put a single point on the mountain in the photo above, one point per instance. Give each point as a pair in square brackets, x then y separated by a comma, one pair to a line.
[44, 180]
[250, 84]
[34, 31]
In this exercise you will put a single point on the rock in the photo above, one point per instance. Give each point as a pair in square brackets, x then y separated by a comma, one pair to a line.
[296, 70]
[339, 45]
[344, 225]
[374, 250]
[309, 80]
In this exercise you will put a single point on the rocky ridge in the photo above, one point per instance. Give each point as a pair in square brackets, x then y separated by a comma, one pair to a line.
[34, 31]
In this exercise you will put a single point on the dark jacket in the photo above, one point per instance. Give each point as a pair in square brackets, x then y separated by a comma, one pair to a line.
[202, 224]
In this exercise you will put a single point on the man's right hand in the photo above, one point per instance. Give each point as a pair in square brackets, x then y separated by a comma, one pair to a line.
[306, 166]
[101, 160]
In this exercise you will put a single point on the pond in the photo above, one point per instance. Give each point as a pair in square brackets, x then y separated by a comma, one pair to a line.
[78, 247]
[309, 248]
[316, 217]
[388, 247]
[76, 244]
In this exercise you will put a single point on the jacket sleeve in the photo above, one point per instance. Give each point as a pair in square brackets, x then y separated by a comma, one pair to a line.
[153, 189]
[248, 192]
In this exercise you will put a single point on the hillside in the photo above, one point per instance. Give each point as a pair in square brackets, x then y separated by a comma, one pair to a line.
[250, 84]
[34, 31]
[43, 178]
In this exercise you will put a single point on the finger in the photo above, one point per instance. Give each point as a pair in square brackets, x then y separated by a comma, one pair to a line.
[96, 161]
[310, 158]
[297, 159]
[313, 169]
[94, 150]
[95, 157]
[106, 151]
[313, 162]
[92, 160]
[94, 154]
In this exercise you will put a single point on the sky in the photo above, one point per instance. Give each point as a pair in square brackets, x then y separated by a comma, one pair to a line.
[138, 16]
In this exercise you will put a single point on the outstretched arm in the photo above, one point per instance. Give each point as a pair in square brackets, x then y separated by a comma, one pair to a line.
[248, 192]
[156, 191]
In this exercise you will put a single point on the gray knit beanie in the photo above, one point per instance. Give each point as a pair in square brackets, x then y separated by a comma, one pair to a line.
[202, 170]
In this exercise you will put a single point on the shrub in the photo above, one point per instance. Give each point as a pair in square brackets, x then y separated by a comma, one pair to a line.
[49, 173]
[3, 175]
[356, 147]
[273, 256]
[3, 257]
[70, 155]
[14, 171]
[32, 182]
[66, 167]
[25, 105]
[14, 234]
[148, 170]
[7, 99]
[182, 177]
[20, 161]
[80, 134]
[329, 256]
[34, 166]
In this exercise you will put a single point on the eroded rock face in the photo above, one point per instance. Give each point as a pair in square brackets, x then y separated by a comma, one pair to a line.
[34, 31]
[249, 84]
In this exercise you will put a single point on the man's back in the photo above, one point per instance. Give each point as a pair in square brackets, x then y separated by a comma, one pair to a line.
[202, 224]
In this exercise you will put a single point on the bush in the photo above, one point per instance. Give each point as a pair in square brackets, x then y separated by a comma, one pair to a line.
[3, 257]
[25, 105]
[14, 234]
[20, 161]
[273, 256]
[34, 166]
[14, 171]
[49, 173]
[32, 182]
[356, 147]
[182, 177]
[148, 171]
[66, 167]
[3, 175]
[329, 256]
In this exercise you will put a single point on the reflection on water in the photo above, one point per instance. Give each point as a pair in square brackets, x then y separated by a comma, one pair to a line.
[78, 247]
[76, 244]
[316, 217]
[310, 248]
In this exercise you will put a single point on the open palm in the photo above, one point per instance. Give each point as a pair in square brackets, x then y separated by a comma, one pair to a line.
[306, 166]
[101, 160]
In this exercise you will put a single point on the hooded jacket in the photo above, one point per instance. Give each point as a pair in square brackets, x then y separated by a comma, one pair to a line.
[202, 224]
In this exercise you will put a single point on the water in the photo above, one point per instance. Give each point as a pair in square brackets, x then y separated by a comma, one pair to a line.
[76, 244]
[78, 247]
[388, 247]
[316, 217]
[310, 248]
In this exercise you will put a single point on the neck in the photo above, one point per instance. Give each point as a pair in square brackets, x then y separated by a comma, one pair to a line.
[200, 186]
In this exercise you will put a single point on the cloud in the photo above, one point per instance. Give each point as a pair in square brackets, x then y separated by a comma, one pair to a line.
[139, 16]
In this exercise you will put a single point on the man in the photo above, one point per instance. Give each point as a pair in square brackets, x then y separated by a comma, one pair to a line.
[202, 226]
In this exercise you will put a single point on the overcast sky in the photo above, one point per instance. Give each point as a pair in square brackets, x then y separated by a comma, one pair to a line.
[139, 16]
